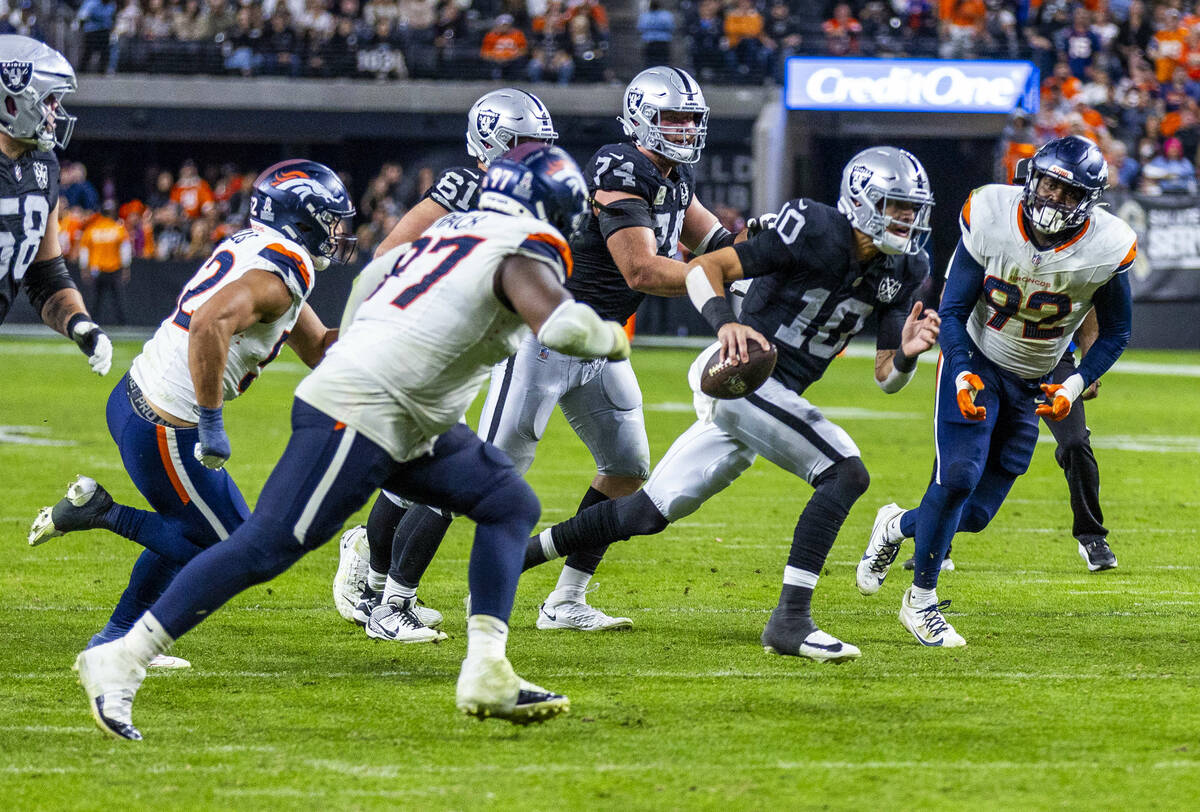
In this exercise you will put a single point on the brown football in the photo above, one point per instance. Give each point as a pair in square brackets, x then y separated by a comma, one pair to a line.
[726, 381]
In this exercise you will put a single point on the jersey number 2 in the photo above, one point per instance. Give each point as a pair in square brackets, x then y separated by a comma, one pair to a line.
[218, 266]
[1005, 299]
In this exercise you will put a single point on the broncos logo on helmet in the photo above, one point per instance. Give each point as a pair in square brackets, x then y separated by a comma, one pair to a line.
[308, 203]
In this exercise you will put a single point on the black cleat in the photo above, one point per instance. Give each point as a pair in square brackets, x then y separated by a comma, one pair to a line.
[798, 636]
[1097, 555]
[82, 508]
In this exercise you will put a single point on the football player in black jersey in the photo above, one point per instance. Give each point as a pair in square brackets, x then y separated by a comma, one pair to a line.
[814, 278]
[644, 206]
[33, 79]
[497, 122]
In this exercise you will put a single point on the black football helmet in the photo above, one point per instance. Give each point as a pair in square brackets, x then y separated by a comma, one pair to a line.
[1075, 161]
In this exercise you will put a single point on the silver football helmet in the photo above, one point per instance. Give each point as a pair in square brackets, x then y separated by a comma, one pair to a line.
[33, 79]
[880, 175]
[499, 120]
[650, 93]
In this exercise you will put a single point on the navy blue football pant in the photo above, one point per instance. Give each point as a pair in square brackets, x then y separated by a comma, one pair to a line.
[193, 507]
[327, 472]
[976, 461]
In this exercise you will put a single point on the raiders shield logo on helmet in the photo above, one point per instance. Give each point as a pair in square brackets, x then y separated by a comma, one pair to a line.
[635, 100]
[888, 288]
[859, 176]
[15, 76]
[487, 122]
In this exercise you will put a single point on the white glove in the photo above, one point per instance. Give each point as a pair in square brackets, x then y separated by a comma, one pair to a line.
[88, 336]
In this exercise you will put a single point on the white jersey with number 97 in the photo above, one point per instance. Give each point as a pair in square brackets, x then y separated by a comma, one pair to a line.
[418, 348]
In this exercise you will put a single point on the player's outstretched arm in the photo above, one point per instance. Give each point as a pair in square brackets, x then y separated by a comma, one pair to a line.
[705, 285]
[559, 322]
[412, 224]
[895, 368]
[54, 296]
[310, 338]
[257, 296]
[628, 228]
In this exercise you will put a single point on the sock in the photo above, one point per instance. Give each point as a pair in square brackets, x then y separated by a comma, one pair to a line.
[415, 544]
[905, 528]
[595, 528]
[487, 637]
[152, 531]
[382, 522]
[397, 590]
[920, 598]
[147, 639]
[798, 586]
[376, 581]
[588, 560]
[570, 587]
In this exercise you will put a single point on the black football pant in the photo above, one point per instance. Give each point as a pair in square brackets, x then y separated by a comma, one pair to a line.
[1074, 455]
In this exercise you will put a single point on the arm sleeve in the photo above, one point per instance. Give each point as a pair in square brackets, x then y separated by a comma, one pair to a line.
[44, 279]
[575, 329]
[964, 283]
[628, 212]
[1114, 316]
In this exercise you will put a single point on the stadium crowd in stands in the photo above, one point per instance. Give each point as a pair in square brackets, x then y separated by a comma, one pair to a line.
[1125, 73]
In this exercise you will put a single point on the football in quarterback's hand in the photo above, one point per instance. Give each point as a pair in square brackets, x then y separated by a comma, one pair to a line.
[722, 380]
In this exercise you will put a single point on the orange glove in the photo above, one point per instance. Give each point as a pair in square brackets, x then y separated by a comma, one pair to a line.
[1058, 402]
[969, 385]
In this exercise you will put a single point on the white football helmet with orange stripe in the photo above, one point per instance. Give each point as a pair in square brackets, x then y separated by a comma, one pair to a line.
[308, 203]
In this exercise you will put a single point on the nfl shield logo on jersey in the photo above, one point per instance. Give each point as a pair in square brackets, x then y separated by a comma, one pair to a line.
[888, 288]
[487, 122]
[40, 174]
[16, 75]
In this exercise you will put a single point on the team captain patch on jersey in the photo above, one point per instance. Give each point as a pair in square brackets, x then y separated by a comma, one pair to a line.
[811, 296]
[429, 335]
[622, 168]
[28, 195]
[456, 189]
[162, 369]
[1033, 301]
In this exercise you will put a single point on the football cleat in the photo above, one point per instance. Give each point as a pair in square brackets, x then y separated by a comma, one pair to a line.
[84, 505]
[947, 563]
[579, 616]
[488, 687]
[110, 678]
[354, 562]
[166, 661]
[396, 621]
[928, 624]
[798, 637]
[880, 554]
[368, 601]
[1097, 555]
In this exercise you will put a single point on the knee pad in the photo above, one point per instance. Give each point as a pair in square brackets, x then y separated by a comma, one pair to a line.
[844, 482]
[974, 519]
[960, 475]
[511, 501]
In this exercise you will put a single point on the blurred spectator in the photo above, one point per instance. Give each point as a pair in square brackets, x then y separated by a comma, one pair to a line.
[1124, 169]
[133, 216]
[557, 63]
[1078, 44]
[587, 27]
[783, 37]
[95, 19]
[504, 48]
[710, 51]
[170, 235]
[24, 21]
[1051, 17]
[1135, 32]
[191, 192]
[242, 48]
[1166, 46]
[126, 29]
[842, 32]
[381, 54]
[656, 25]
[281, 45]
[1169, 173]
[1017, 141]
[76, 189]
[200, 240]
[70, 230]
[104, 256]
[963, 26]
[550, 53]
[383, 192]
[451, 33]
[744, 33]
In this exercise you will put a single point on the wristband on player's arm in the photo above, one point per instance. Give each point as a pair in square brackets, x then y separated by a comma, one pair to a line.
[717, 237]
[903, 369]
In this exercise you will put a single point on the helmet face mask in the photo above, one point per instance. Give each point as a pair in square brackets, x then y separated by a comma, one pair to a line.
[502, 119]
[885, 193]
[33, 79]
[307, 203]
[655, 91]
[535, 180]
[1067, 176]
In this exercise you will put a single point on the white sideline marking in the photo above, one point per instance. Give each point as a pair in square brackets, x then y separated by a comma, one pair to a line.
[832, 412]
[1157, 444]
[29, 435]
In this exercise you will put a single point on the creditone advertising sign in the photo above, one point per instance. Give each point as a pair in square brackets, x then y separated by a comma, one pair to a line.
[910, 85]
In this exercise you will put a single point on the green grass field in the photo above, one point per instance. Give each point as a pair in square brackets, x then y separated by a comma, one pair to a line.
[1077, 690]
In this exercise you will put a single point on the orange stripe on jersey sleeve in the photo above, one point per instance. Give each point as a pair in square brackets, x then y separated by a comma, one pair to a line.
[301, 266]
[1129, 257]
[559, 245]
[966, 211]
[164, 452]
